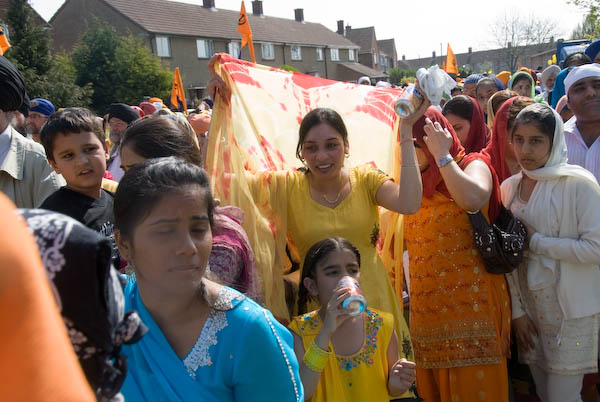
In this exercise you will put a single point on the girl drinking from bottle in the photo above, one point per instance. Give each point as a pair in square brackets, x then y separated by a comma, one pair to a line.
[348, 353]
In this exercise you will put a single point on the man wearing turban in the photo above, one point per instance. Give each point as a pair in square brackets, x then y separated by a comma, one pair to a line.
[120, 116]
[25, 175]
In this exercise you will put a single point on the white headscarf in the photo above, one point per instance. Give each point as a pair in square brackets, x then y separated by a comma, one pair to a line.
[556, 216]
[547, 73]
[579, 73]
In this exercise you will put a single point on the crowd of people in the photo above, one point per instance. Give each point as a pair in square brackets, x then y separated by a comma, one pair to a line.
[125, 279]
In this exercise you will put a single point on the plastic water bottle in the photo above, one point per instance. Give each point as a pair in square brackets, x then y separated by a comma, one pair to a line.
[410, 100]
[356, 303]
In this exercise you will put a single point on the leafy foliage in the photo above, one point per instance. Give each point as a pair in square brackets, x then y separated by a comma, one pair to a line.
[120, 69]
[46, 76]
[287, 67]
[590, 26]
[397, 75]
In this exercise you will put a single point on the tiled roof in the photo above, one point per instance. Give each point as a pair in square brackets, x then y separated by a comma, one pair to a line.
[171, 17]
[363, 37]
[386, 46]
[363, 70]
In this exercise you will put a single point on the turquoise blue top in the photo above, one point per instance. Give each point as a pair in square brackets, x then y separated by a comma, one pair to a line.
[242, 354]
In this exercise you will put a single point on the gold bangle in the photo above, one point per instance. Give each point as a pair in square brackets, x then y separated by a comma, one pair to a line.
[316, 358]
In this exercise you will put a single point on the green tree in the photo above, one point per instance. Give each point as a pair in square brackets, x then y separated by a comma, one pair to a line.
[63, 91]
[397, 74]
[30, 51]
[46, 76]
[590, 26]
[119, 69]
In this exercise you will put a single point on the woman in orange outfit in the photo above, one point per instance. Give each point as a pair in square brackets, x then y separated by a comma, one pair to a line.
[460, 314]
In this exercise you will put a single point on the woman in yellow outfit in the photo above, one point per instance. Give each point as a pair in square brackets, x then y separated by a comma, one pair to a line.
[328, 199]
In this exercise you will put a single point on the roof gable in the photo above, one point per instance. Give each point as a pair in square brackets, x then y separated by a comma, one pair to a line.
[387, 46]
[174, 18]
[363, 37]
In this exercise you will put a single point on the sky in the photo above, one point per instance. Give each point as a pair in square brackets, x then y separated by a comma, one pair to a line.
[418, 30]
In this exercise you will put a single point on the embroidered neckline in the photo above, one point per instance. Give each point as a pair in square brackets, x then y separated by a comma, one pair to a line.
[373, 321]
[199, 356]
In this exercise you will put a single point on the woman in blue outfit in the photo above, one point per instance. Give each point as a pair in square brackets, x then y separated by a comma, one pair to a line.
[206, 342]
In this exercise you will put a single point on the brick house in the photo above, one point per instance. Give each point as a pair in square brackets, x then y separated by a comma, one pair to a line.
[187, 35]
[376, 54]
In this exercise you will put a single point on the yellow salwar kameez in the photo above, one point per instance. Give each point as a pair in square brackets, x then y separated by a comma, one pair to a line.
[361, 376]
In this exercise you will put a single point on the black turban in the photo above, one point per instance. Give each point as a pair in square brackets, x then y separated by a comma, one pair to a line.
[12, 87]
[122, 112]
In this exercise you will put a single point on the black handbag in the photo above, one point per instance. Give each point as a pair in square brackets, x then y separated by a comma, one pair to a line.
[500, 244]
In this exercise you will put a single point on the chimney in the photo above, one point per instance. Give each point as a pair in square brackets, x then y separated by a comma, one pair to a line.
[509, 44]
[470, 50]
[433, 54]
[208, 3]
[257, 8]
[340, 29]
[348, 29]
[403, 57]
[299, 13]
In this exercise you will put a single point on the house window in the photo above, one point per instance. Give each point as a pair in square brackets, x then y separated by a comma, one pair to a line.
[374, 59]
[320, 54]
[335, 54]
[205, 48]
[162, 46]
[351, 54]
[268, 51]
[233, 48]
[383, 61]
[296, 53]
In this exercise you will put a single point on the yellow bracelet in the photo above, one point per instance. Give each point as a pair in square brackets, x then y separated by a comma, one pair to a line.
[316, 358]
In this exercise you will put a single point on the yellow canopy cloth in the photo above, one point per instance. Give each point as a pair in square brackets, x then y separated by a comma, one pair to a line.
[251, 155]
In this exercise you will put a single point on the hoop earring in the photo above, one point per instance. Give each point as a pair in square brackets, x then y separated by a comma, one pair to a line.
[347, 155]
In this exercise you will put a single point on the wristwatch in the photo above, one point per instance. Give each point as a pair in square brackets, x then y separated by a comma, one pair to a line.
[444, 160]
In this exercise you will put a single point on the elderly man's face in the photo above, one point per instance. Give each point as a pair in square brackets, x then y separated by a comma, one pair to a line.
[117, 128]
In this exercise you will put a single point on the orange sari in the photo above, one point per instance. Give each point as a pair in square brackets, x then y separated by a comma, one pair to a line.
[459, 313]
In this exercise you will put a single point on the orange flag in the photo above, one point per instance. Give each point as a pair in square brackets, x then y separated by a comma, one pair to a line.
[246, 32]
[451, 65]
[4, 45]
[177, 93]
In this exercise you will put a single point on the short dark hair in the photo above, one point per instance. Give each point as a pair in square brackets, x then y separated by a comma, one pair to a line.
[316, 117]
[157, 137]
[316, 254]
[144, 185]
[461, 106]
[539, 115]
[576, 57]
[72, 120]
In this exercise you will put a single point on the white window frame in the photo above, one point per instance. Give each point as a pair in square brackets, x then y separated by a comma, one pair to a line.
[233, 48]
[296, 52]
[267, 51]
[163, 46]
[334, 53]
[351, 55]
[205, 48]
[320, 54]
[375, 59]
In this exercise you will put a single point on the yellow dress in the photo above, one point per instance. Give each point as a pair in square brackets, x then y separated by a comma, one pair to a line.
[359, 377]
[356, 219]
